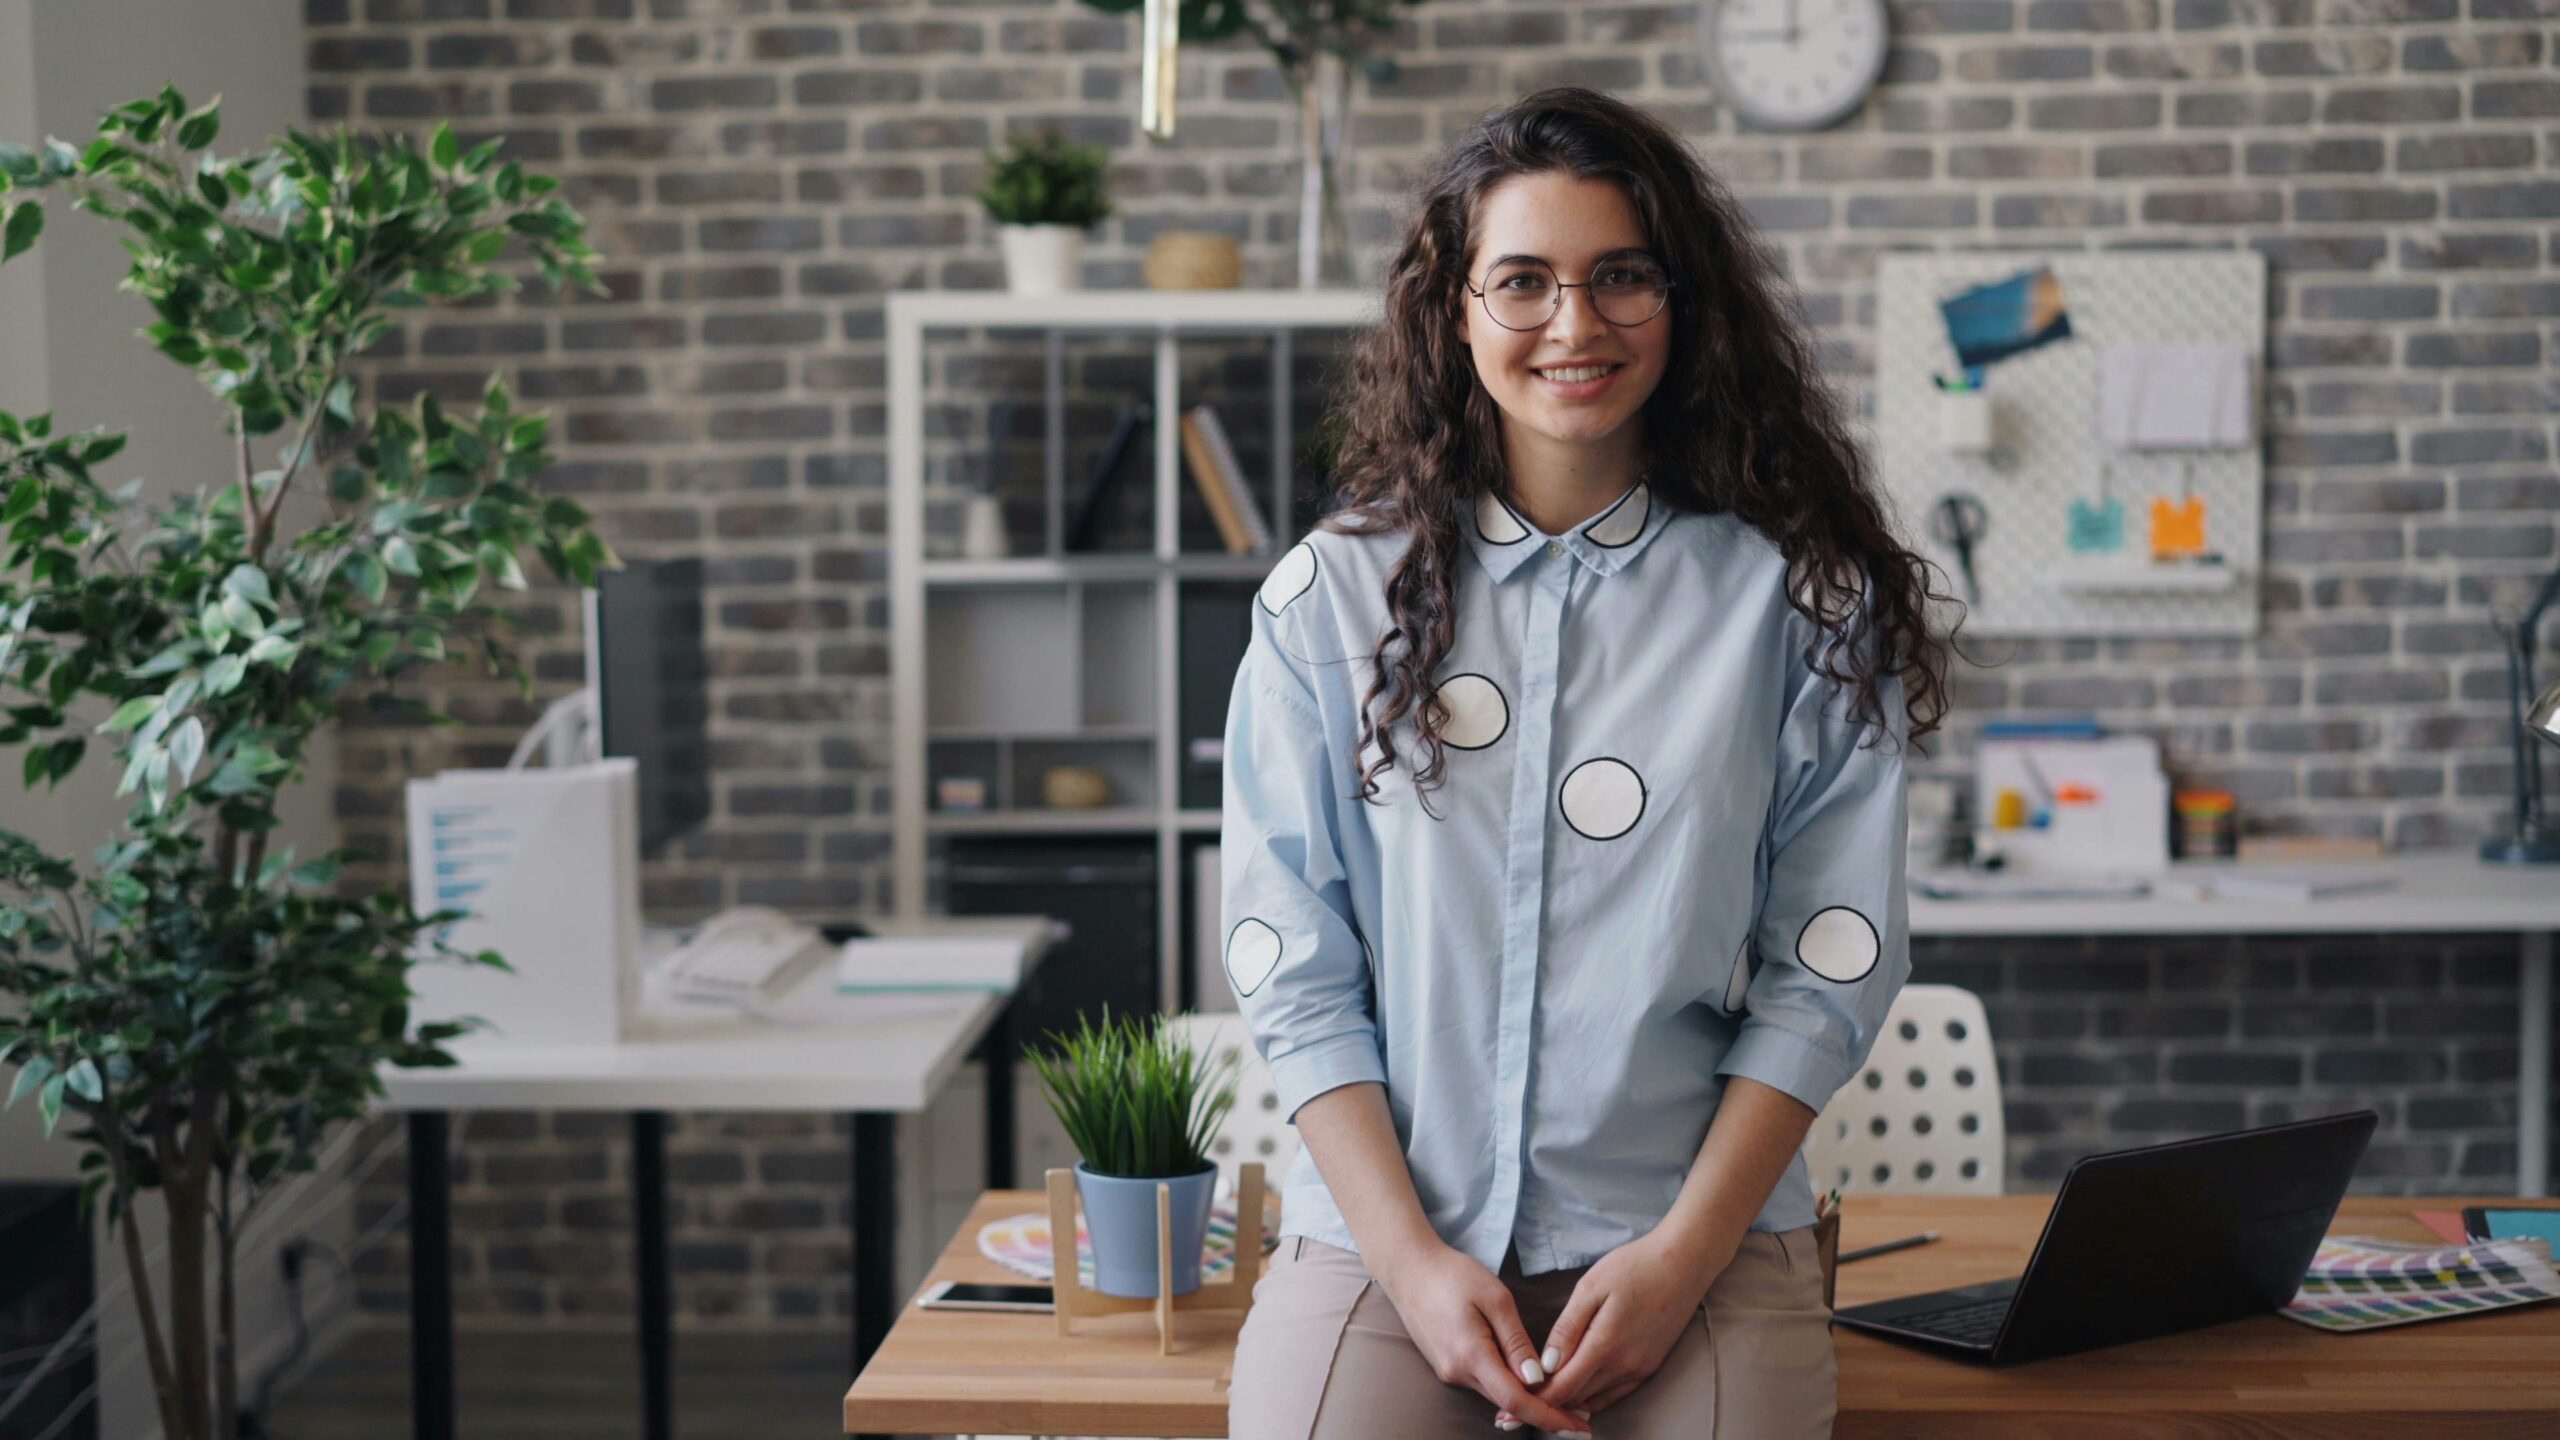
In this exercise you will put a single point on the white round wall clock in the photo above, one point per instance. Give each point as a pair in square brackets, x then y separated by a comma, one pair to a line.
[1795, 64]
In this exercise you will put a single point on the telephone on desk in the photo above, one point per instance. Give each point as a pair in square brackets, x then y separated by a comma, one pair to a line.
[744, 956]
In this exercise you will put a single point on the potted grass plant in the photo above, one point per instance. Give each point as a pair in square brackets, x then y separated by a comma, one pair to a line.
[1045, 191]
[1141, 1107]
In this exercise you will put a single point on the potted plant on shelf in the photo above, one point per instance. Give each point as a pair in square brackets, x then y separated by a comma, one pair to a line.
[1141, 1108]
[205, 1011]
[1044, 193]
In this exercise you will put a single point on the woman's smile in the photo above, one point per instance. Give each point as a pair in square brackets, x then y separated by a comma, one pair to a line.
[1578, 382]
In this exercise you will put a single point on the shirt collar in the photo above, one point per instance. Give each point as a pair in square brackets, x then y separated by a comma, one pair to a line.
[1504, 539]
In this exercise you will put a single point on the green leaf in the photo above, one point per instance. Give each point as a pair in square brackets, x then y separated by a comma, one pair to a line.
[443, 148]
[24, 222]
[131, 713]
[50, 1102]
[23, 500]
[250, 583]
[367, 575]
[30, 1075]
[401, 556]
[84, 1082]
[186, 748]
[487, 246]
[201, 125]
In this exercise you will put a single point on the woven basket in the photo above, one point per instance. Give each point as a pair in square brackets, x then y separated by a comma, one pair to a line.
[1194, 260]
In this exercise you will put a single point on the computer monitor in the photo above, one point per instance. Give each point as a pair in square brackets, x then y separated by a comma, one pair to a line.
[647, 676]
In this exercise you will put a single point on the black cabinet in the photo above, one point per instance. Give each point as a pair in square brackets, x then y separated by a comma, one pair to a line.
[1103, 891]
[45, 1287]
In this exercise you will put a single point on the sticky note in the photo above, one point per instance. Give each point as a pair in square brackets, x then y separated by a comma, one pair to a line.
[2177, 526]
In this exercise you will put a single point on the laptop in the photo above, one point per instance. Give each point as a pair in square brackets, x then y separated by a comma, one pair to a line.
[2150, 1242]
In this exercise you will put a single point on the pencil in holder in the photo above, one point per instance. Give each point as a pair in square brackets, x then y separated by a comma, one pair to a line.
[1826, 1245]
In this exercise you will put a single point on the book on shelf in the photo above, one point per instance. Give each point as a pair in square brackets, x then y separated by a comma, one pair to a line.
[1203, 464]
[1104, 475]
[1231, 473]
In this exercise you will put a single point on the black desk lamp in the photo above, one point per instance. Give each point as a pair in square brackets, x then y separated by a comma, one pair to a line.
[2535, 715]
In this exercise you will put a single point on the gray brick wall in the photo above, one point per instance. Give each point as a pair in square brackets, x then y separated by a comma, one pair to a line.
[759, 173]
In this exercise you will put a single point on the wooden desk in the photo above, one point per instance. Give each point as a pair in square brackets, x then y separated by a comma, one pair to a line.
[941, 1372]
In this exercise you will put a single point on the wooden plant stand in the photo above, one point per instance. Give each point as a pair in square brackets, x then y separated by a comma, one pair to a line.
[1073, 1298]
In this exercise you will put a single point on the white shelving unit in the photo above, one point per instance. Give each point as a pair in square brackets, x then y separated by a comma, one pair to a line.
[1052, 653]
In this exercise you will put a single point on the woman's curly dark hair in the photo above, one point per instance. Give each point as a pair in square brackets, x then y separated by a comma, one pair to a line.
[1740, 421]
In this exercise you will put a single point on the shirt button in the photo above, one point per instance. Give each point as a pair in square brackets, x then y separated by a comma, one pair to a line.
[1555, 547]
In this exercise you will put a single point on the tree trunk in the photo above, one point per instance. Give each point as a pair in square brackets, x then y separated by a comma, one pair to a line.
[226, 1352]
[187, 1306]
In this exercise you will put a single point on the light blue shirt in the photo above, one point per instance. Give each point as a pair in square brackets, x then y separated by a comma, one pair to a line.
[1661, 856]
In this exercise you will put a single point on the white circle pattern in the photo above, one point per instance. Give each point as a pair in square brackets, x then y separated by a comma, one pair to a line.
[1478, 715]
[1839, 945]
[1289, 579]
[1623, 521]
[1602, 799]
[1253, 952]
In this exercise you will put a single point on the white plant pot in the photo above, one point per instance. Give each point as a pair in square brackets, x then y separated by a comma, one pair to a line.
[1041, 259]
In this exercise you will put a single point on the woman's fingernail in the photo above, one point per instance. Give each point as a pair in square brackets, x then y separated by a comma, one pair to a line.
[1506, 1423]
[1530, 1372]
[1550, 1358]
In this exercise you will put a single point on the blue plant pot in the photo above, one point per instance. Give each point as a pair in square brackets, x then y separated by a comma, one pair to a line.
[1120, 1214]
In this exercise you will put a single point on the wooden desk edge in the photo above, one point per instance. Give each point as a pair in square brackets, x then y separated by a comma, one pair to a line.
[879, 1402]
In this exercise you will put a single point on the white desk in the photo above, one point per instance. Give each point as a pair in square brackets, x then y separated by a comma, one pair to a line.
[2433, 891]
[872, 1056]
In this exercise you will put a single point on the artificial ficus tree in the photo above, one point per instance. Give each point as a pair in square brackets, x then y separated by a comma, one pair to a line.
[206, 1012]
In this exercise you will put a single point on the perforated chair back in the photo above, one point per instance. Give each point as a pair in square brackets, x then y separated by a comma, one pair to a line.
[1922, 1116]
[1254, 1128]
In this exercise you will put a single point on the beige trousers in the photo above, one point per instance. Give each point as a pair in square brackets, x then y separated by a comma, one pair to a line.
[1322, 1356]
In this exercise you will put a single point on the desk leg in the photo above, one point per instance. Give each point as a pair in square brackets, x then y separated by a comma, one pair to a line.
[2533, 1075]
[649, 1258]
[1000, 1046]
[875, 1231]
[431, 1406]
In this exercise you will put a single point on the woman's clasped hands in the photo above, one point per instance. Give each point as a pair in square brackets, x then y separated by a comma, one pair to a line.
[1463, 1320]
[1625, 1314]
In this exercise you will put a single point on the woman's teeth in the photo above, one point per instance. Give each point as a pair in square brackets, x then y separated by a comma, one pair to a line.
[1578, 374]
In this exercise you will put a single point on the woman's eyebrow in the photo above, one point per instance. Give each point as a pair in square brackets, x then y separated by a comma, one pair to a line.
[1605, 255]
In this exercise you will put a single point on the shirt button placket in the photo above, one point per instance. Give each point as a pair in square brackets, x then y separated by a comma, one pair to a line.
[1524, 873]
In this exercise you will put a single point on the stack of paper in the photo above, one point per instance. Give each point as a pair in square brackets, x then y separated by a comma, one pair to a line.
[2359, 1283]
[872, 963]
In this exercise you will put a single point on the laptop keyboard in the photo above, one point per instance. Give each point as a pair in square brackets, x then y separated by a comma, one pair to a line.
[1977, 1323]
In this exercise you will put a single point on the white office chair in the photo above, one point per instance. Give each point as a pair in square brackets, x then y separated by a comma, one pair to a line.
[1922, 1116]
[1254, 1128]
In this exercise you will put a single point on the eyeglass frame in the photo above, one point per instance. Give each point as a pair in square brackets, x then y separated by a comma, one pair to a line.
[1555, 306]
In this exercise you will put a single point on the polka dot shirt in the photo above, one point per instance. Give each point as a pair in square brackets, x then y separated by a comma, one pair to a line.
[1659, 855]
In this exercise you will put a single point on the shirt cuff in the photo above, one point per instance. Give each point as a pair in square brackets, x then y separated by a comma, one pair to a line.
[1328, 1064]
[1784, 1060]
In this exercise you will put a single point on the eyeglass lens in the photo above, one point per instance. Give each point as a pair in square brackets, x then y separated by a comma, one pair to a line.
[1626, 289]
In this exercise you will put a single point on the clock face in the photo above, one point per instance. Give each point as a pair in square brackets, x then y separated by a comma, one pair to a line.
[1795, 64]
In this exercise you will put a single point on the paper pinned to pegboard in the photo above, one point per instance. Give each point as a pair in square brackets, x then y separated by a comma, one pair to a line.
[2041, 485]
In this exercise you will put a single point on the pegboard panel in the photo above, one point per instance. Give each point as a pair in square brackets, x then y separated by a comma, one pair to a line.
[2047, 449]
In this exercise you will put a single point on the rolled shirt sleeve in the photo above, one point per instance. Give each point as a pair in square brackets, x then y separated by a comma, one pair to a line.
[1293, 954]
[1832, 938]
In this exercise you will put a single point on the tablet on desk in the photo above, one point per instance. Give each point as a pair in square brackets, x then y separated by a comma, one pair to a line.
[971, 1295]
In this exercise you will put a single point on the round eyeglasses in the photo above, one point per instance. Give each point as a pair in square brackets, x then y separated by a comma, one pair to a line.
[1524, 294]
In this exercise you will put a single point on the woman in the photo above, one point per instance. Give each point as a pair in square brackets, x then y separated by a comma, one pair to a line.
[1614, 650]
